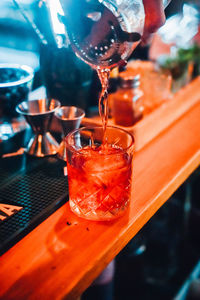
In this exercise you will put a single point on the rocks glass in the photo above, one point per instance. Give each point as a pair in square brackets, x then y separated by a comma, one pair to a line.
[99, 167]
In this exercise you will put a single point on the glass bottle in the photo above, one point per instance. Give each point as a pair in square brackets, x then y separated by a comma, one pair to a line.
[127, 102]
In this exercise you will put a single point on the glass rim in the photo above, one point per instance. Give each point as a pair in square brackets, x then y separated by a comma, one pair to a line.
[99, 127]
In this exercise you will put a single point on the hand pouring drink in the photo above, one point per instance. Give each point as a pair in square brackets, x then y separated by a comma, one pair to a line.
[102, 33]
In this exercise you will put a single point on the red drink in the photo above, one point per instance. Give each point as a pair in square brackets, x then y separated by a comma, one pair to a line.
[99, 175]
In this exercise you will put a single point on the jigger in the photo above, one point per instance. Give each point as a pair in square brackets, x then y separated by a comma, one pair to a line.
[70, 118]
[38, 114]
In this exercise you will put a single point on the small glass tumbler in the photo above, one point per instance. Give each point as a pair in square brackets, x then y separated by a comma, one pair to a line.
[99, 167]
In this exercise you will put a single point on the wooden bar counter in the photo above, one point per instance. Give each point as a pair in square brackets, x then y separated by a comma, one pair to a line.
[61, 257]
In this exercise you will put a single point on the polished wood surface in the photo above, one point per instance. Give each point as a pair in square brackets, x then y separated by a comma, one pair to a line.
[63, 255]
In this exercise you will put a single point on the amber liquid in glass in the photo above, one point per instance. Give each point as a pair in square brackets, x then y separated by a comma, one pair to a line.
[99, 182]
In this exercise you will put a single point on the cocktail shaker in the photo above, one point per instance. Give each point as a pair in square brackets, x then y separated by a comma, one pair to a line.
[104, 33]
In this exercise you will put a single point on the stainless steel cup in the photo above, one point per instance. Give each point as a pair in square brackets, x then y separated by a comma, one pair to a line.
[70, 118]
[38, 114]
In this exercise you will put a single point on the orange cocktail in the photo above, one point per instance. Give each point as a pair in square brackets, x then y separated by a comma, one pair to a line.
[99, 171]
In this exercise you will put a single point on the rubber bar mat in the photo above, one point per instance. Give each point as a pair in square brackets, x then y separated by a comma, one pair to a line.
[31, 189]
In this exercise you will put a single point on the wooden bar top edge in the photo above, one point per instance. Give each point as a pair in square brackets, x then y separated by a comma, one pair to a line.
[57, 261]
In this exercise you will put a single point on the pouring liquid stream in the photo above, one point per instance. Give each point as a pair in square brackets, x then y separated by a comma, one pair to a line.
[97, 37]
[103, 98]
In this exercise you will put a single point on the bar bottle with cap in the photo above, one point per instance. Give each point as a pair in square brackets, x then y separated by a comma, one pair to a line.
[127, 101]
